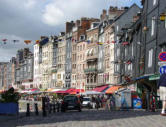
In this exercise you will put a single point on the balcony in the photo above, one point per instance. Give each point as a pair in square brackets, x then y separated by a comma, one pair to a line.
[54, 70]
[90, 70]
[92, 58]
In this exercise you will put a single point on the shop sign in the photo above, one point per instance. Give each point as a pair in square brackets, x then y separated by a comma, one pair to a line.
[137, 103]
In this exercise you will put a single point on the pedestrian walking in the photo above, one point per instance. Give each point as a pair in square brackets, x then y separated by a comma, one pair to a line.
[162, 89]
[97, 103]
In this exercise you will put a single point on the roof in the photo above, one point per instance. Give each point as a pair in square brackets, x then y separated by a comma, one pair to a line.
[126, 11]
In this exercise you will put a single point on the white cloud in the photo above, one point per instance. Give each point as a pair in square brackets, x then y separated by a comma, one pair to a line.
[57, 12]
[30, 3]
[53, 15]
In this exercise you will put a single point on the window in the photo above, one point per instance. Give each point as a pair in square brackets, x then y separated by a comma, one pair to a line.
[150, 58]
[118, 67]
[125, 67]
[59, 76]
[82, 37]
[153, 25]
[115, 67]
[132, 48]
[117, 28]
[126, 52]
[165, 23]
[118, 52]
[154, 2]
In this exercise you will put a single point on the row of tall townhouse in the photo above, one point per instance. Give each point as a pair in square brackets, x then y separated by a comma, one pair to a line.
[121, 47]
[24, 69]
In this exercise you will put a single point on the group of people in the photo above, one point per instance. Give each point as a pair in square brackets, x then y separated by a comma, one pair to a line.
[101, 101]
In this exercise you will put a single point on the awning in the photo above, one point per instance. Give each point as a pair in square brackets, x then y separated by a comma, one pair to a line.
[112, 89]
[77, 91]
[101, 89]
[143, 77]
[70, 91]
[92, 93]
[61, 92]
[154, 77]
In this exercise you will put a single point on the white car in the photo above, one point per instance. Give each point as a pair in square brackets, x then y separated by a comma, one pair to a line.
[87, 102]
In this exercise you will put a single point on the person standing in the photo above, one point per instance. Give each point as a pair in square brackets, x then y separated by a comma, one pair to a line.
[162, 89]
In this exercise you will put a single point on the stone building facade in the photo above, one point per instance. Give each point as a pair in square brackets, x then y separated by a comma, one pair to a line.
[61, 63]
[91, 56]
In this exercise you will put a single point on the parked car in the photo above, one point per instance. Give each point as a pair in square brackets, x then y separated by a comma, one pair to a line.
[87, 102]
[71, 102]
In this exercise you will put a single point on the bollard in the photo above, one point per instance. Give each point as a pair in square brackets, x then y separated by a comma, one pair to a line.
[50, 108]
[58, 107]
[54, 108]
[36, 109]
[28, 110]
[44, 106]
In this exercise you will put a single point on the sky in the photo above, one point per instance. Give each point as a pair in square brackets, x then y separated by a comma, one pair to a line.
[30, 19]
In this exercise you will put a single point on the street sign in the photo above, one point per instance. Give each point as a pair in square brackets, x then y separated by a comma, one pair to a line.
[162, 70]
[162, 56]
[162, 63]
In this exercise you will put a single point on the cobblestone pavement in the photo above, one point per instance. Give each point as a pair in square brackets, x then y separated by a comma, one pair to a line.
[91, 118]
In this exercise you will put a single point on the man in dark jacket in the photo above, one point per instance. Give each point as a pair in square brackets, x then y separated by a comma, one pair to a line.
[162, 88]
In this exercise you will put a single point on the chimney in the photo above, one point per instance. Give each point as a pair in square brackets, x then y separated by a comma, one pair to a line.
[77, 23]
[103, 15]
[69, 26]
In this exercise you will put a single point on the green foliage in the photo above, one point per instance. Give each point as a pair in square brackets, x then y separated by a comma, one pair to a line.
[9, 96]
[55, 96]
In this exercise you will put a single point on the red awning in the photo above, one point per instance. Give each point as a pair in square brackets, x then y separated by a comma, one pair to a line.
[62, 92]
[70, 91]
[77, 91]
[101, 88]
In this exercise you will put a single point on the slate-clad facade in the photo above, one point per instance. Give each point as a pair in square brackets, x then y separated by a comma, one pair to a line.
[121, 22]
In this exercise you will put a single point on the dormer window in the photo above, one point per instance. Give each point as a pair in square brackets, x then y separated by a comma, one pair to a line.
[82, 37]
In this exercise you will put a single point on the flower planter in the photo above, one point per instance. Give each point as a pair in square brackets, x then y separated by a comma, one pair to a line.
[9, 108]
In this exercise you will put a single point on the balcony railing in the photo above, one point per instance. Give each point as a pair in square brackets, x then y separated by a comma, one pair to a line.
[90, 70]
[92, 57]
[54, 70]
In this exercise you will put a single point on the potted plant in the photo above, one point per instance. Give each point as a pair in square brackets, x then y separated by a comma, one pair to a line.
[9, 102]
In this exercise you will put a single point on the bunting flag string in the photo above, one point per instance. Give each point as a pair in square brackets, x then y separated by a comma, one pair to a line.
[37, 41]
[4, 41]
[108, 42]
[15, 41]
[27, 41]
[113, 41]
[100, 43]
